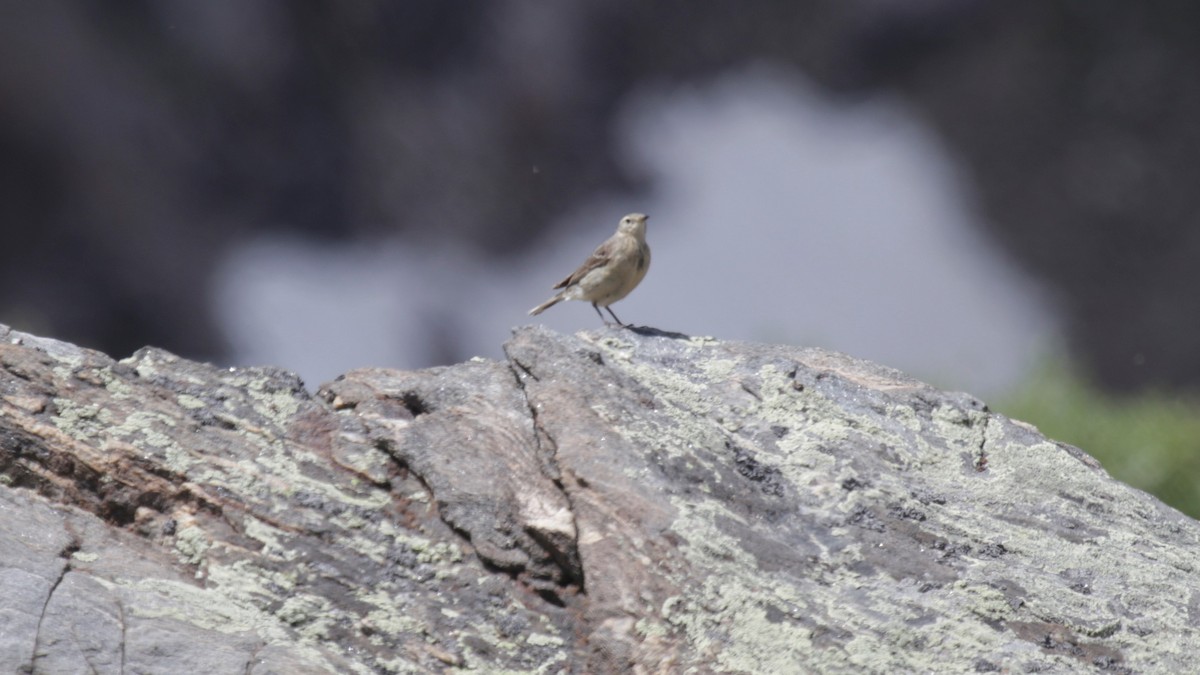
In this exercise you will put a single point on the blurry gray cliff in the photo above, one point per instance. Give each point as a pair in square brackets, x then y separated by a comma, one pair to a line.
[618, 501]
[140, 141]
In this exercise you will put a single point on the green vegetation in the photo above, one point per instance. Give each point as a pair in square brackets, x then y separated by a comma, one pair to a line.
[1150, 440]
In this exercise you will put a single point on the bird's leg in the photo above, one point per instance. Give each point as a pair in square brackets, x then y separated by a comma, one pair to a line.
[597, 308]
[620, 323]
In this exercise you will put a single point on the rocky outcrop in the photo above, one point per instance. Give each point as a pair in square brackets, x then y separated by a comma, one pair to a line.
[614, 501]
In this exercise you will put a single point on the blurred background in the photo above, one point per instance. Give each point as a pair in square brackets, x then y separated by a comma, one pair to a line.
[996, 196]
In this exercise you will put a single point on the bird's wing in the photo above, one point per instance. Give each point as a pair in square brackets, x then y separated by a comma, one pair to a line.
[599, 258]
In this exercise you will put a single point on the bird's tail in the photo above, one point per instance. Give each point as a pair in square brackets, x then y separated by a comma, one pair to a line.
[545, 305]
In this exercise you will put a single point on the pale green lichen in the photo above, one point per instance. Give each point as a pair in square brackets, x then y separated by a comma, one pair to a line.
[272, 538]
[376, 550]
[434, 552]
[219, 611]
[141, 428]
[350, 520]
[202, 608]
[66, 361]
[255, 584]
[728, 618]
[189, 402]
[311, 615]
[153, 363]
[115, 384]
[614, 346]
[277, 405]
[718, 370]
[544, 640]
[758, 645]
[276, 468]
[725, 613]
[982, 600]
[81, 422]
[366, 460]
[391, 617]
[959, 427]
[191, 543]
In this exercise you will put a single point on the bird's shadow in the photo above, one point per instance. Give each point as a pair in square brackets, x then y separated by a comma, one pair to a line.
[648, 331]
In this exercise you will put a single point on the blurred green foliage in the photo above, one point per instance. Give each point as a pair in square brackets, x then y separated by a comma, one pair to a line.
[1150, 440]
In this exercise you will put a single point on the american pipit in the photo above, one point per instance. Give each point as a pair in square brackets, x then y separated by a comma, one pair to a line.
[614, 269]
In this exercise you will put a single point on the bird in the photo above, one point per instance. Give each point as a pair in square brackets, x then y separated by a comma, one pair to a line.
[614, 269]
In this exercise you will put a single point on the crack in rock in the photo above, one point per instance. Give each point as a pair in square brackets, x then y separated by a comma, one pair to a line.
[72, 546]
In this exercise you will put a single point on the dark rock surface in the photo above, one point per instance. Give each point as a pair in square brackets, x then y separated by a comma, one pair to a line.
[614, 501]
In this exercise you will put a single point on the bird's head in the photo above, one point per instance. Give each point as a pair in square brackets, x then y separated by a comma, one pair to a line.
[635, 224]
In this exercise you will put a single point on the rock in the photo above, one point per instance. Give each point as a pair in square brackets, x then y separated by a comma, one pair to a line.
[614, 501]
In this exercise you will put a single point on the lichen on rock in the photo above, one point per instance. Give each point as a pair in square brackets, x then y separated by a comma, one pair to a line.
[614, 501]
